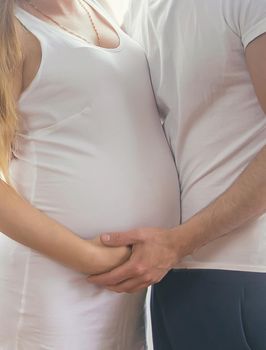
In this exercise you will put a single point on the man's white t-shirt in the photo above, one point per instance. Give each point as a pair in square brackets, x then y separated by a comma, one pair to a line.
[213, 120]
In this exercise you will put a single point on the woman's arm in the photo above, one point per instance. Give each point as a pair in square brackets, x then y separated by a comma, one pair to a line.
[30, 227]
[23, 223]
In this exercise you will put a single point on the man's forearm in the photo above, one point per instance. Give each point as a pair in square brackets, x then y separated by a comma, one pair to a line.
[242, 202]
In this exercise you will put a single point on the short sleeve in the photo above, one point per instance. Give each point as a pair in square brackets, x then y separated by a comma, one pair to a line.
[247, 18]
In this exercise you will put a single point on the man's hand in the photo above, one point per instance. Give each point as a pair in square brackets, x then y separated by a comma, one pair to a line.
[105, 259]
[153, 255]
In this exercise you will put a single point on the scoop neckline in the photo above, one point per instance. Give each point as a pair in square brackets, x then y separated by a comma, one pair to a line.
[57, 29]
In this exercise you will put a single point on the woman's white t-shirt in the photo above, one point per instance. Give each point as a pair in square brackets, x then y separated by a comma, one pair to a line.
[213, 121]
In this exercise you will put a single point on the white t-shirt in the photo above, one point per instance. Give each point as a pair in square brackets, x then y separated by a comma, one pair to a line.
[213, 121]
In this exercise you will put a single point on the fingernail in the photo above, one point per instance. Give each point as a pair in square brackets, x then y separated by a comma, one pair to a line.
[106, 238]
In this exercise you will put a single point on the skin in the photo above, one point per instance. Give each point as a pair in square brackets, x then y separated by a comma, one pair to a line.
[72, 16]
[156, 251]
[19, 220]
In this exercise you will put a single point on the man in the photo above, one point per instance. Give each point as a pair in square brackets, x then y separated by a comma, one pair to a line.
[208, 67]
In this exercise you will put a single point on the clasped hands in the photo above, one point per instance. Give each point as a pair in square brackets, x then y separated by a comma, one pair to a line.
[153, 254]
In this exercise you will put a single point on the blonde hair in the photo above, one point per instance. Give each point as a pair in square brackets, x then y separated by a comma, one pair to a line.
[10, 55]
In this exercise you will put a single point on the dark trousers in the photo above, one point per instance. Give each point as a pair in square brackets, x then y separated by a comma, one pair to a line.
[209, 310]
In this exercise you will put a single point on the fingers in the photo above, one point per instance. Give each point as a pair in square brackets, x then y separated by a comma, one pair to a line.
[130, 286]
[133, 285]
[130, 270]
[114, 277]
[136, 284]
[120, 239]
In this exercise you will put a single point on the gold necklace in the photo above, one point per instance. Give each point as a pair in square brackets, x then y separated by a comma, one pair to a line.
[85, 6]
[82, 4]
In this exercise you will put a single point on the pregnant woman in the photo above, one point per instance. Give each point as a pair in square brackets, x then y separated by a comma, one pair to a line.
[84, 151]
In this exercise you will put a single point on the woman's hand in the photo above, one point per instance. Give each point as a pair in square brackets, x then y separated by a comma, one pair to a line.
[108, 258]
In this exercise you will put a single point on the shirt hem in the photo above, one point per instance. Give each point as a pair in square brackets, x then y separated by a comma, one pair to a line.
[221, 266]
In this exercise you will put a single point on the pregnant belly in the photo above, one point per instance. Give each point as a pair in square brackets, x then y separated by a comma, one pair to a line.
[92, 195]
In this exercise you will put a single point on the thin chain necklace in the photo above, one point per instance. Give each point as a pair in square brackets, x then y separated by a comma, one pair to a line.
[82, 4]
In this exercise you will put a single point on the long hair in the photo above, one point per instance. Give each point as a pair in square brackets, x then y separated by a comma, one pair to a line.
[10, 55]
